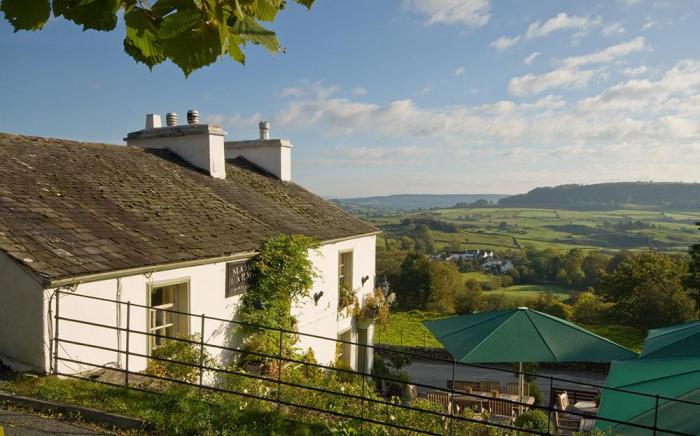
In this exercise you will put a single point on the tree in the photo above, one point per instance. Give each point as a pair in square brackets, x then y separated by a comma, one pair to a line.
[190, 33]
[414, 282]
[694, 269]
[647, 290]
[445, 283]
[389, 265]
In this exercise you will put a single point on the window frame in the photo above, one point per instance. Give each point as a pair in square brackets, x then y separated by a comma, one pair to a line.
[175, 305]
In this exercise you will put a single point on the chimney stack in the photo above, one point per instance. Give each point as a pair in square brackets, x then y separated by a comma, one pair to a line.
[272, 155]
[171, 119]
[264, 130]
[153, 121]
[192, 116]
[202, 145]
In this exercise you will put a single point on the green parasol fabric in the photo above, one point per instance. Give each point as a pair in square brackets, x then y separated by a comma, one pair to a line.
[670, 377]
[681, 340]
[522, 335]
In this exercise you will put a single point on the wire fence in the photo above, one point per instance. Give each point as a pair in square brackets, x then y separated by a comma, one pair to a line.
[281, 390]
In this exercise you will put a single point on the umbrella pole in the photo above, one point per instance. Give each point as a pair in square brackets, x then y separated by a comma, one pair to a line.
[521, 387]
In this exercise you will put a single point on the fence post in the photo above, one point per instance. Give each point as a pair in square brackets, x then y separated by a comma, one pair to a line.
[201, 356]
[452, 395]
[279, 374]
[549, 412]
[362, 396]
[55, 335]
[656, 413]
[126, 348]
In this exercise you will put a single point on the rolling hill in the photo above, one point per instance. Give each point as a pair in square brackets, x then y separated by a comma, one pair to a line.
[609, 196]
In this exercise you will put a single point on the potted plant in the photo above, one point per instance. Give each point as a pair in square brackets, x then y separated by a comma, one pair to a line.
[375, 308]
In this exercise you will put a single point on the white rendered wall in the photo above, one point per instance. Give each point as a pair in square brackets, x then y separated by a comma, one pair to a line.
[273, 155]
[204, 151]
[21, 317]
[207, 296]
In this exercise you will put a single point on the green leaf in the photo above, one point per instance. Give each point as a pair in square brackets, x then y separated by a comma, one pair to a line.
[189, 41]
[91, 14]
[307, 3]
[234, 49]
[26, 14]
[250, 30]
[141, 37]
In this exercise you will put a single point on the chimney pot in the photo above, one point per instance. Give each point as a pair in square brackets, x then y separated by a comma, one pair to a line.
[264, 130]
[192, 116]
[153, 121]
[171, 119]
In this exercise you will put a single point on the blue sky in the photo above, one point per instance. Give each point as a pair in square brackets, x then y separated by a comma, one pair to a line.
[406, 96]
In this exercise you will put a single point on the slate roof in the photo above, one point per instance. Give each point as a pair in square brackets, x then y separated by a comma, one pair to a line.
[70, 208]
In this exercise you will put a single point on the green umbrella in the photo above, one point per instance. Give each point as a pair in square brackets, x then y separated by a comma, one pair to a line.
[671, 377]
[522, 335]
[681, 340]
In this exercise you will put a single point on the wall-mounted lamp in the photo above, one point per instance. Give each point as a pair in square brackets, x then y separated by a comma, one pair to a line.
[364, 279]
[317, 296]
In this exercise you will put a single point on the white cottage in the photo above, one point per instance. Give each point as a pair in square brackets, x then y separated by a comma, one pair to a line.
[167, 221]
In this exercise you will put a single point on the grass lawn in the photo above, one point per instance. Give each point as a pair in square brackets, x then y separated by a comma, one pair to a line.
[629, 337]
[406, 328]
[479, 276]
[519, 292]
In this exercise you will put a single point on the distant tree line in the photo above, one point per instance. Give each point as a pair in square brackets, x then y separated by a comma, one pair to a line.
[640, 289]
[670, 196]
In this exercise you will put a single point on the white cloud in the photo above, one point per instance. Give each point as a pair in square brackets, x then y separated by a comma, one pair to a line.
[528, 60]
[459, 71]
[359, 91]
[636, 129]
[614, 29]
[634, 72]
[467, 12]
[570, 74]
[560, 22]
[504, 42]
[606, 55]
[531, 84]
[292, 92]
[628, 3]
[649, 24]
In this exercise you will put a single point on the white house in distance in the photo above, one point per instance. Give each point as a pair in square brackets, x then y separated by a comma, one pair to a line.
[167, 221]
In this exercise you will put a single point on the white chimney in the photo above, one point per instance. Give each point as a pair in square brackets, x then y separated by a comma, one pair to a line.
[264, 130]
[202, 145]
[152, 121]
[272, 155]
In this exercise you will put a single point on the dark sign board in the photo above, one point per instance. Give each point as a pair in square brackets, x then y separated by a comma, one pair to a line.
[238, 276]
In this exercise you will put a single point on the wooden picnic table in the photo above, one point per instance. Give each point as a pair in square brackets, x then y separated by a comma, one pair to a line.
[478, 397]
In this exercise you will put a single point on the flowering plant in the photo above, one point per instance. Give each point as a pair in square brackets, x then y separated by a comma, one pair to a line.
[375, 307]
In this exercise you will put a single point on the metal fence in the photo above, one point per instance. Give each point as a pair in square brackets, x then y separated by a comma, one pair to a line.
[374, 409]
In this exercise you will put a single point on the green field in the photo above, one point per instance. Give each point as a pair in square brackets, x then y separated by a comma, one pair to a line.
[519, 292]
[407, 329]
[515, 228]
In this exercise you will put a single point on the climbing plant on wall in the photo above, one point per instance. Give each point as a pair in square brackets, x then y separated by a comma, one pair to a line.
[282, 274]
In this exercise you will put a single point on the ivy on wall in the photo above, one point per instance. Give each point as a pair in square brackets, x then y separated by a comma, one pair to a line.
[282, 275]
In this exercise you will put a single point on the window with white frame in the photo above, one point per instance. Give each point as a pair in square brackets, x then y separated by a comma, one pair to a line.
[163, 323]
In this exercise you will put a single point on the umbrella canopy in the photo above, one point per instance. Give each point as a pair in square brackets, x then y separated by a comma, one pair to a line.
[522, 335]
[674, 378]
[681, 340]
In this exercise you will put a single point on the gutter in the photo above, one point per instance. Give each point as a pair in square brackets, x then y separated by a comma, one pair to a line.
[107, 275]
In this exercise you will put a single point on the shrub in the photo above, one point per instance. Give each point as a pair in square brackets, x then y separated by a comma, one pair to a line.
[470, 299]
[533, 420]
[183, 351]
[589, 309]
[549, 304]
